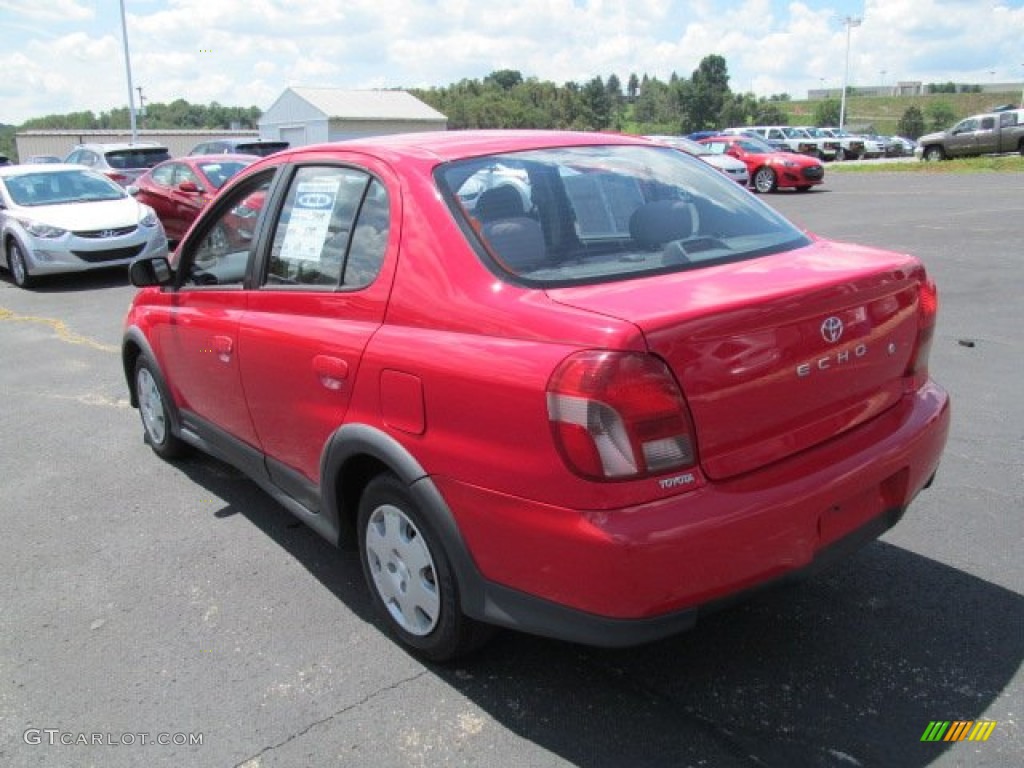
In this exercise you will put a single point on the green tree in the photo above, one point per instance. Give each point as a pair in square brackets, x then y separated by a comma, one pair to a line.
[708, 91]
[769, 113]
[506, 79]
[826, 113]
[596, 112]
[632, 87]
[941, 115]
[911, 124]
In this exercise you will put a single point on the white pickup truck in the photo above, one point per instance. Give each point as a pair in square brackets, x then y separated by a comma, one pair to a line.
[795, 139]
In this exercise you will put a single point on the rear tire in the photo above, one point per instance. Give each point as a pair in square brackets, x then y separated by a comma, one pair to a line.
[411, 581]
[154, 408]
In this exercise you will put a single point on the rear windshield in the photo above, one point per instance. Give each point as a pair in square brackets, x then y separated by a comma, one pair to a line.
[595, 214]
[124, 159]
[261, 148]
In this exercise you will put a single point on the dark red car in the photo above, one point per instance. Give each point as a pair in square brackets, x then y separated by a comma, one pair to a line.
[769, 168]
[179, 189]
[587, 406]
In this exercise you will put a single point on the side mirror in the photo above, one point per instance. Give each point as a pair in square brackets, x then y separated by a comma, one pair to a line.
[155, 270]
[132, 190]
[189, 186]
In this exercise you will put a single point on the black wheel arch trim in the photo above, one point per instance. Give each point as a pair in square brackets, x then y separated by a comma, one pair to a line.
[357, 442]
[134, 337]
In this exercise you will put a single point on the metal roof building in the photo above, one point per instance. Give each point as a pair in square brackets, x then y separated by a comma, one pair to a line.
[61, 142]
[312, 115]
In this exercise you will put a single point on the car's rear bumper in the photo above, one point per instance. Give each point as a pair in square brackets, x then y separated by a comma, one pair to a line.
[633, 575]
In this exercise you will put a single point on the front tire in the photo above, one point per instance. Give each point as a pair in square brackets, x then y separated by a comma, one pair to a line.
[411, 581]
[934, 154]
[154, 408]
[765, 180]
[18, 266]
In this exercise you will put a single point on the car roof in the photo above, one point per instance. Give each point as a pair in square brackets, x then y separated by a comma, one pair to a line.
[117, 146]
[456, 145]
[214, 157]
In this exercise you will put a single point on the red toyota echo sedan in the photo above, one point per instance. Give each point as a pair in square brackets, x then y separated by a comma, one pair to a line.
[578, 385]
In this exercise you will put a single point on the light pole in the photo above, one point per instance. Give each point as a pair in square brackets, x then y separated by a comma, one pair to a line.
[128, 70]
[142, 108]
[850, 22]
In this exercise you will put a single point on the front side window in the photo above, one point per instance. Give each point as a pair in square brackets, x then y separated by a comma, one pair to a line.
[332, 232]
[592, 214]
[218, 253]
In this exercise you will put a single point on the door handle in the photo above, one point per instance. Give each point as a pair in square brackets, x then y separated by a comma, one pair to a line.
[332, 371]
[223, 346]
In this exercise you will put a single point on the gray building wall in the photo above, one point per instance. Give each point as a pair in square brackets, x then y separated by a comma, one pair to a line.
[61, 143]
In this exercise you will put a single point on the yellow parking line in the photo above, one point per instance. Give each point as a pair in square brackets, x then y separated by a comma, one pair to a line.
[59, 328]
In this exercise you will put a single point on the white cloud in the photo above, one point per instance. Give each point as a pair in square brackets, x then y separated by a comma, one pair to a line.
[67, 54]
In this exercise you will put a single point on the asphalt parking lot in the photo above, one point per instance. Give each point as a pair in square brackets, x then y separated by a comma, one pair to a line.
[142, 601]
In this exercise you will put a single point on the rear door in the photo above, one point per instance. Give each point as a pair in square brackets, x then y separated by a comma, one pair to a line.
[324, 282]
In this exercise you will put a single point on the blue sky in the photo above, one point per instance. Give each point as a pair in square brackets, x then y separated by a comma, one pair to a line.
[67, 55]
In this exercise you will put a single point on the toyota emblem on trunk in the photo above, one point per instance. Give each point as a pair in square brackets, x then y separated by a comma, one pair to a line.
[832, 329]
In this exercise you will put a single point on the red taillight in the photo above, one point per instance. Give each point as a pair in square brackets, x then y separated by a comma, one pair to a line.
[927, 310]
[619, 415]
[120, 178]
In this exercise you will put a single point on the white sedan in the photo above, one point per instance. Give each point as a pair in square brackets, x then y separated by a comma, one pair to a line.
[65, 218]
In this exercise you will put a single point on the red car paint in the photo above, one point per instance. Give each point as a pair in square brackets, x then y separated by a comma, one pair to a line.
[785, 169]
[728, 435]
[180, 188]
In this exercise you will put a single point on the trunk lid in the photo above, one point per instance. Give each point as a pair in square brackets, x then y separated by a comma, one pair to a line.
[775, 354]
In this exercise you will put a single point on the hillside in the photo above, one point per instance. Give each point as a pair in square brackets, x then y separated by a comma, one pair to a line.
[883, 112]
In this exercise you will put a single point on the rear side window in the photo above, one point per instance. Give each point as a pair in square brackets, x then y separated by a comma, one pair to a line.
[332, 232]
[261, 148]
[595, 214]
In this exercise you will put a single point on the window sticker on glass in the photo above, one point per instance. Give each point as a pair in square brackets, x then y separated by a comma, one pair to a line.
[310, 218]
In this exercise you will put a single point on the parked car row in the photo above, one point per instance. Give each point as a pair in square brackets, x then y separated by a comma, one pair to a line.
[78, 214]
[823, 143]
[751, 160]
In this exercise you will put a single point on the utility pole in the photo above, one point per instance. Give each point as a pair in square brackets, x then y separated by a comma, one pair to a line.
[128, 70]
[850, 22]
[142, 107]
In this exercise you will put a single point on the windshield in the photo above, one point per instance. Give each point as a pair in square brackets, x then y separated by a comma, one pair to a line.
[593, 214]
[60, 187]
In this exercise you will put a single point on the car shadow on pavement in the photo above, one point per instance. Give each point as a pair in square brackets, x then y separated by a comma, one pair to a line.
[845, 669]
[111, 277]
[848, 668]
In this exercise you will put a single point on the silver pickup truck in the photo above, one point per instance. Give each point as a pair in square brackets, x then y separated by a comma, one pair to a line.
[986, 134]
